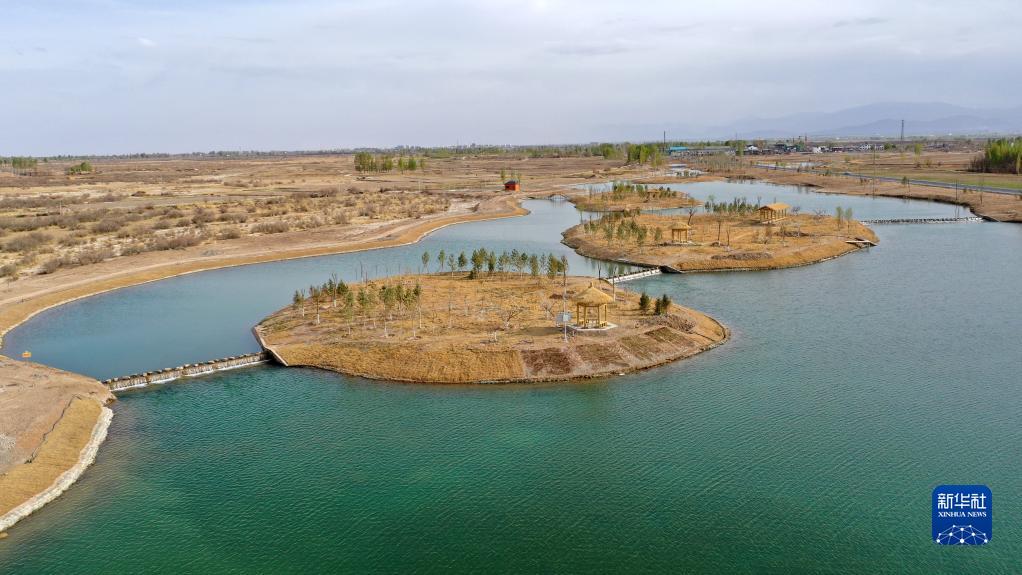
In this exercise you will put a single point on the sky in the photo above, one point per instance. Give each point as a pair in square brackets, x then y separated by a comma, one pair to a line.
[126, 76]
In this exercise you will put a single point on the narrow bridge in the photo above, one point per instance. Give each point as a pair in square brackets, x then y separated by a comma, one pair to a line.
[634, 275]
[924, 220]
[188, 370]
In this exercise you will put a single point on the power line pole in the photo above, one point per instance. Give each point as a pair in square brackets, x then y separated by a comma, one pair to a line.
[902, 132]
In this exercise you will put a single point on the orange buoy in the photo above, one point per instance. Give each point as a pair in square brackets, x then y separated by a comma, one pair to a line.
[26, 354]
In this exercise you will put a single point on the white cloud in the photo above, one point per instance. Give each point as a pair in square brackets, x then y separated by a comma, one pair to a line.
[318, 73]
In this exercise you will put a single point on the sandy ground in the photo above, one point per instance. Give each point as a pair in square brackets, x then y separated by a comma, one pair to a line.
[46, 419]
[460, 332]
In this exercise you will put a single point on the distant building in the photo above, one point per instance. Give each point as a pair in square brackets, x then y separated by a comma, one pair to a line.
[512, 186]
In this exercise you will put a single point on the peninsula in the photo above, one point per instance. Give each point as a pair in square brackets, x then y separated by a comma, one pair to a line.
[482, 326]
[51, 425]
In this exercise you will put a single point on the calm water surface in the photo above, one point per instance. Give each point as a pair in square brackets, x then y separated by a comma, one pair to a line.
[809, 442]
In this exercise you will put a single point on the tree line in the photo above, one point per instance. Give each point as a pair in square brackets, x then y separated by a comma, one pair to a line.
[19, 165]
[491, 262]
[1000, 157]
[365, 300]
[367, 162]
[623, 227]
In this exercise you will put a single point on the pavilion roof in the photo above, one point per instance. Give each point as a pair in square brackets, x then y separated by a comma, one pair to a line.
[592, 296]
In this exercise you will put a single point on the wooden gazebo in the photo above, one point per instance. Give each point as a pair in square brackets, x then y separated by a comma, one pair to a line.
[773, 212]
[679, 233]
[591, 308]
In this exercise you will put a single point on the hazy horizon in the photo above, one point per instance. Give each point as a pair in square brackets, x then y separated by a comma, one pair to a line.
[113, 77]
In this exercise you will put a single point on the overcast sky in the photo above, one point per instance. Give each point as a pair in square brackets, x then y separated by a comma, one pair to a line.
[117, 76]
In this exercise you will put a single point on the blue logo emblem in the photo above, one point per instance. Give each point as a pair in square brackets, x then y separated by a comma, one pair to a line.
[962, 515]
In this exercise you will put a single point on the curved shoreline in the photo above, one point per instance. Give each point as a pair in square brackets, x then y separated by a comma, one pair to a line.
[583, 248]
[445, 353]
[67, 478]
[509, 207]
[580, 250]
[531, 380]
[407, 237]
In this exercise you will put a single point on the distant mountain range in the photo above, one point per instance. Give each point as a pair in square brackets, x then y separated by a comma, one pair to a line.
[869, 121]
[884, 120]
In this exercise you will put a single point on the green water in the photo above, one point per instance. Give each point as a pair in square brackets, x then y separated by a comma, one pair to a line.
[810, 442]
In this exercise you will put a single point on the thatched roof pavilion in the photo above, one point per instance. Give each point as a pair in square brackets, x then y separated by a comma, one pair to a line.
[591, 302]
[679, 232]
[771, 212]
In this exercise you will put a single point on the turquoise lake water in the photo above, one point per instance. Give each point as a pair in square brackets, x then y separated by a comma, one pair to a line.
[810, 442]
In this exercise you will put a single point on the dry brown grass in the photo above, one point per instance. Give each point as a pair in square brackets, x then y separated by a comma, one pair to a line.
[46, 418]
[132, 206]
[730, 243]
[57, 453]
[459, 332]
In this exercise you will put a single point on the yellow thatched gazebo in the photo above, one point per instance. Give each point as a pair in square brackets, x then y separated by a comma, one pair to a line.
[679, 232]
[588, 301]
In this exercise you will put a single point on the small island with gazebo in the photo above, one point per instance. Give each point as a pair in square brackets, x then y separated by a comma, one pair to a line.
[720, 236]
[507, 318]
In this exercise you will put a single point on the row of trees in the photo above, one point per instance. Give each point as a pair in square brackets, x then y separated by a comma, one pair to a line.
[737, 206]
[624, 229]
[482, 259]
[1000, 157]
[335, 294]
[19, 165]
[367, 162]
[623, 190]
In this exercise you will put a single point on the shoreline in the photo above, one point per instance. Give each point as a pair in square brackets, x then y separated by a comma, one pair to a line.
[72, 470]
[845, 185]
[525, 381]
[701, 257]
[675, 270]
[64, 480]
[409, 236]
[532, 352]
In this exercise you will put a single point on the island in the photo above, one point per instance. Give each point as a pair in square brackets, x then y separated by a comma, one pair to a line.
[733, 236]
[631, 197]
[484, 327]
